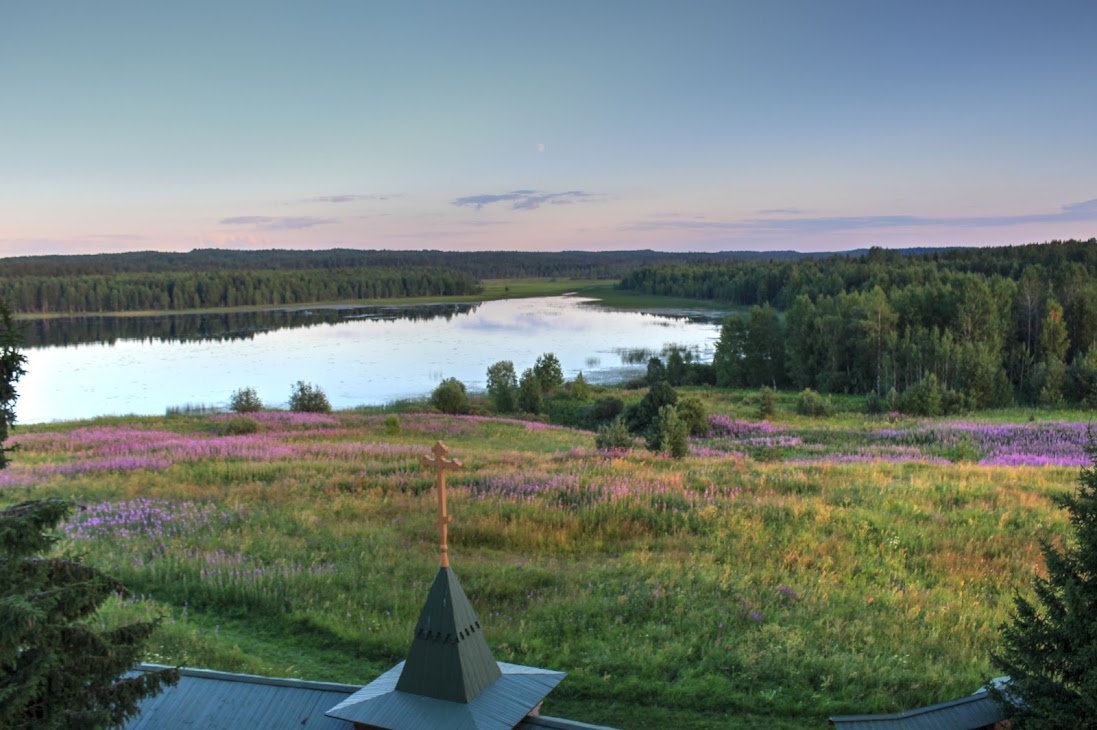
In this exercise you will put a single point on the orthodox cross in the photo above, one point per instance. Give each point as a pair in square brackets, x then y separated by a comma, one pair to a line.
[440, 464]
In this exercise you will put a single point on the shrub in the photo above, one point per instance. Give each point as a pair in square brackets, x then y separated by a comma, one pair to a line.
[810, 403]
[392, 424]
[245, 400]
[308, 398]
[580, 388]
[767, 403]
[450, 397]
[692, 412]
[503, 386]
[657, 372]
[670, 433]
[641, 417]
[613, 435]
[238, 426]
[605, 409]
[548, 372]
[530, 393]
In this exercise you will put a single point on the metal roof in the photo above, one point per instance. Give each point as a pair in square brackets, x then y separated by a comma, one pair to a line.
[449, 658]
[208, 700]
[502, 705]
[967, 713]
[226, 701]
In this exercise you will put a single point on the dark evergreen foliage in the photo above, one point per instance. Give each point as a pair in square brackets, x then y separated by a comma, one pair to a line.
[56, 669]
[11, 368]
[641, 417]
[205, 278]
[1049, 651]
[531, 398]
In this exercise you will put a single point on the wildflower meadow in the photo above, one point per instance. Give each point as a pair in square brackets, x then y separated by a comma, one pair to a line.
[781, 572]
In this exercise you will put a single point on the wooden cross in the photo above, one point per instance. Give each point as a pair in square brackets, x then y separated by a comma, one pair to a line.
[440, 464]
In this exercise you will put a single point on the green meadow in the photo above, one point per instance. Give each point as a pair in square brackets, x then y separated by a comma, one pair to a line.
[781, 573]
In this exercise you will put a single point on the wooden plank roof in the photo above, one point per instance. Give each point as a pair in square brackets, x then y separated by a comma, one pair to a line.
[967, 713]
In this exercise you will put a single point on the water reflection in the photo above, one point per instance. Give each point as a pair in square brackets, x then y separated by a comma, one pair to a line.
[361, 356]
[219, 327]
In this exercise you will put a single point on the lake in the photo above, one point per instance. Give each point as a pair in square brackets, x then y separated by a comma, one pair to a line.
[92, 366]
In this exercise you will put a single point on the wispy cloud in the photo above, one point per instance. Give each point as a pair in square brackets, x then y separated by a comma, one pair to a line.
[116, 237]
[1085, 207]
[524, 199]
[781, 211]
[344, 198]
[1083, 211]
[275, 223]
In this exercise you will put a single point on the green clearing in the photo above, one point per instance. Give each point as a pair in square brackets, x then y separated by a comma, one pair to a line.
[716, 591]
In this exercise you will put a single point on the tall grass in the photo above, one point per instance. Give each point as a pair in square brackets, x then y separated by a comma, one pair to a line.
[780, 574]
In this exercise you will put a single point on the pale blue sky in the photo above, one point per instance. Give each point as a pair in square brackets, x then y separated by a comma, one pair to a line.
[811, 125]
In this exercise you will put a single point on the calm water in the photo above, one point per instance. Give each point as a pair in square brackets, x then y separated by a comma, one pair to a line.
[358, 356]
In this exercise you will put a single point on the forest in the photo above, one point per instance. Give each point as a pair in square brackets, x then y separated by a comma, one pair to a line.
[211, 278]
[931, 332]
[74, 293]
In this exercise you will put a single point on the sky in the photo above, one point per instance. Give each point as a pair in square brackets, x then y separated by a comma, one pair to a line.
[688, 125]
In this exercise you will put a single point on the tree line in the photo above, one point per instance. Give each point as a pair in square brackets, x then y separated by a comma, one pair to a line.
[927, 333]
[479, 264]
[203, 289]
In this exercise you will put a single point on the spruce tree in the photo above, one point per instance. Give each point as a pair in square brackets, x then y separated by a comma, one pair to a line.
[57, 669]
[11, 368]
[1049, 650]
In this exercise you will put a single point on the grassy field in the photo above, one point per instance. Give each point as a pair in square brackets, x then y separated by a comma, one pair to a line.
[784, 572]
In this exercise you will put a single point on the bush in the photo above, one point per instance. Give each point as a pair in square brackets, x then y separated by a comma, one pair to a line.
[238, 426]
[670, 433]
[613, 435]
[604, 410]
[692, 412]
[245, 400]
[503, 386]
[548, 372]
[530, 394]
[810, 403]
[767, 403]
[579, 388]
[450, 397]
[392, 424]
[641, 417]
[308, 398]
[657, 372]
